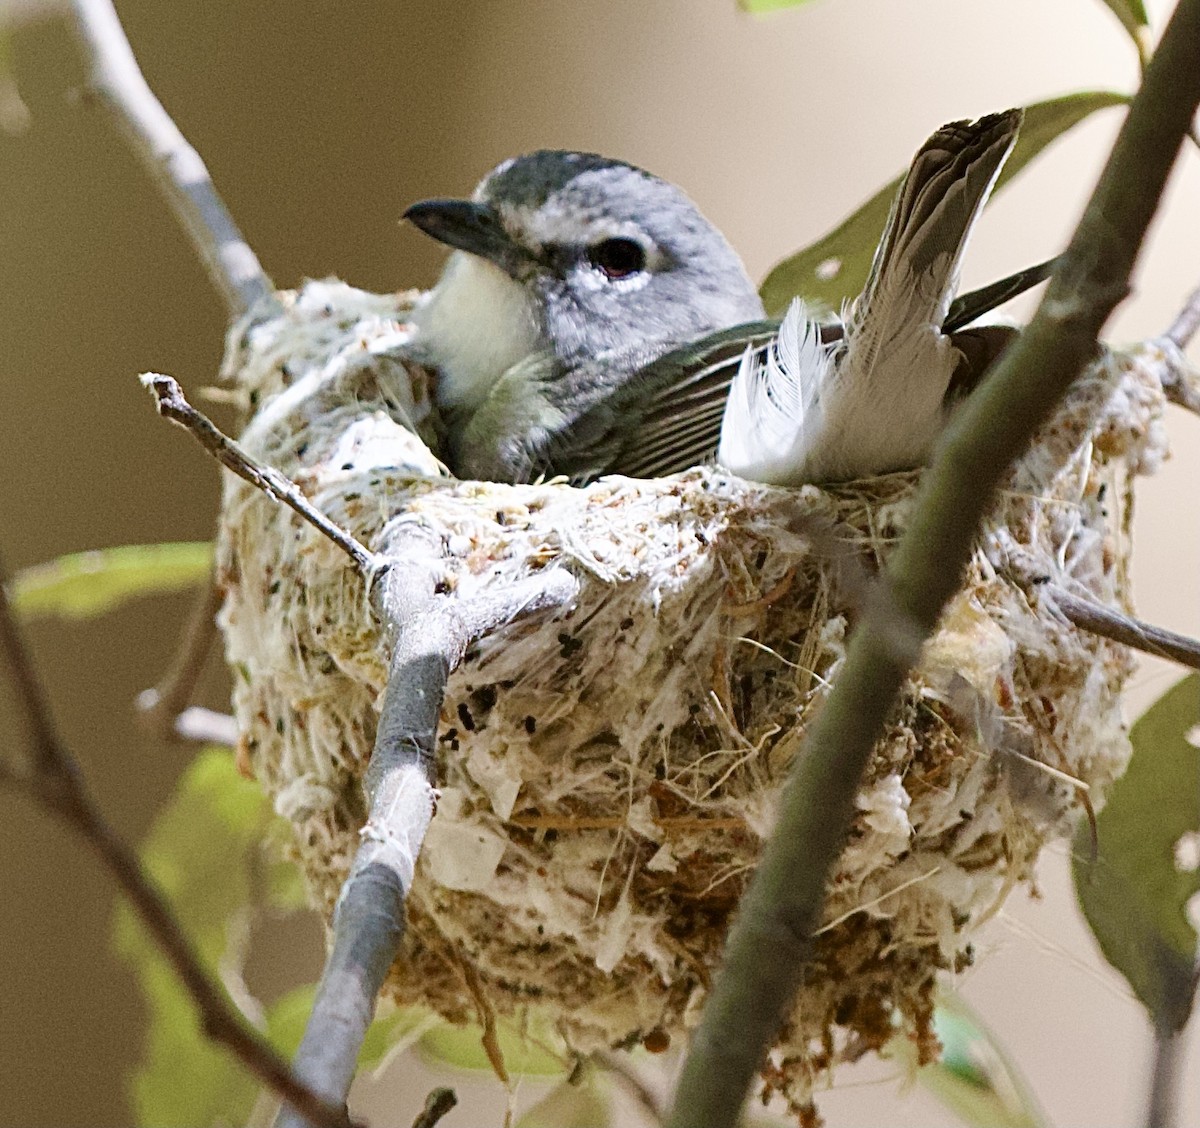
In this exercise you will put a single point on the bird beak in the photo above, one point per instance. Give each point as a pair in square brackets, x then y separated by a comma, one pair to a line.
[471, 227]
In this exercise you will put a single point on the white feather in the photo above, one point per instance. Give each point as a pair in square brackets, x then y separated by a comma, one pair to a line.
[775, 402]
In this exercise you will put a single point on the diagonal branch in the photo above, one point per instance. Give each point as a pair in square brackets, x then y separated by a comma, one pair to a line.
[52, 778]
[177, 168]
[173, 405]
[771, 940]
[1187, 323]
[432, 632]
[1095, 618]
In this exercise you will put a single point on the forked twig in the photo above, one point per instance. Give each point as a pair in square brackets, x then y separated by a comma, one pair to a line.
[432, 633]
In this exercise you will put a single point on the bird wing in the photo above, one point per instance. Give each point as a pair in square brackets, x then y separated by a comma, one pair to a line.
[678, 424]
[667, 417]
[967, 308]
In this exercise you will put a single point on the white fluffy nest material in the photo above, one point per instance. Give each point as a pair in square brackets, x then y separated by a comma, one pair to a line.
[608, 778]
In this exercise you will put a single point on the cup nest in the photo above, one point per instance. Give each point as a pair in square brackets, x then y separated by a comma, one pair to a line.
[608, 777]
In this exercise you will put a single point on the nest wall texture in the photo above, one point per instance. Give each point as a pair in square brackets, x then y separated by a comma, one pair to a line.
[608, 777]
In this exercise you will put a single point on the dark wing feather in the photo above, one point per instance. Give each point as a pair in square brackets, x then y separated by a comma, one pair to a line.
[667, 417]
[970, 307]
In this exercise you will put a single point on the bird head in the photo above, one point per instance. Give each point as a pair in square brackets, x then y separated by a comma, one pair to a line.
[575, 254]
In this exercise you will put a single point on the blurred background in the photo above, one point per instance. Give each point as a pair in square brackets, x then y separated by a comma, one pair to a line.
[320, 122]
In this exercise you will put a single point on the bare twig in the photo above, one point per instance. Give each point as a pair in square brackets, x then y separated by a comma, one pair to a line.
[176, 167]
[1095, 618]
[771, 940]
[431, 632]
[1089, 615]
[1184, 327]
[53, 779]
[437, 1104]
[173, 405]
[163, 705]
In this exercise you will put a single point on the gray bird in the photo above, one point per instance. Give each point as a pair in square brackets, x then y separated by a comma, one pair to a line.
[591, 320]
[571, 273]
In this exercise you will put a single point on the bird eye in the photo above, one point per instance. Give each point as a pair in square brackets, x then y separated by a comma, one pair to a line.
[618, 258]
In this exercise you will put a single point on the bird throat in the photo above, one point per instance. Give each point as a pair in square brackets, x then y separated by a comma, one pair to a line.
[473, 326]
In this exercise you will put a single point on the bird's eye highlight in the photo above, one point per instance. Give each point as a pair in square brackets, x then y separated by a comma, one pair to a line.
[618, 258]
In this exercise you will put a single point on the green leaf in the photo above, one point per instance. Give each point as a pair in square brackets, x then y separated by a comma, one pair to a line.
[532, 1048]
[834, 269]
[183, 1078]
[975, 1078]
[1135, 21]
[89, 583]
[758, 7]
[199, 849]
[1135, 892]
[582, 1101]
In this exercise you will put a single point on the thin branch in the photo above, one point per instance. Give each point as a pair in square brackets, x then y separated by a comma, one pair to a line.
[437, 1104]
[54, 780]
[1089, 615]
[1095, 618]
[1184, 327]
[1181, 384]
[163, 705]
[771, 940]
[114, 75]
[431, 632]
[173, 405]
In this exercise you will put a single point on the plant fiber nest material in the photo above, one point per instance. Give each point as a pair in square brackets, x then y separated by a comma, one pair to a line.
[608, 776]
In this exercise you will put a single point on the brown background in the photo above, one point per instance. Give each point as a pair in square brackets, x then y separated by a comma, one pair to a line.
[320, 122]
